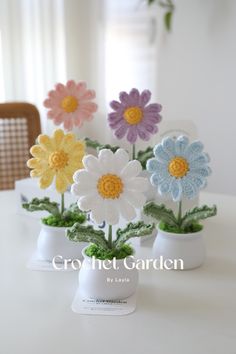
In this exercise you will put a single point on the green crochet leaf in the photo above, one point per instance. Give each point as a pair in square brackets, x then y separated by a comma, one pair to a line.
[42, 204]
[160, 213]
[138, 229]
[94, 144]
[198, 213]
[144, 155]
[108, 146]
[72, 210]
[80, 233]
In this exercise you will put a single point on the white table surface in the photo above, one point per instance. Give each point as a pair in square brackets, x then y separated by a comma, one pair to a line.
[188, 312]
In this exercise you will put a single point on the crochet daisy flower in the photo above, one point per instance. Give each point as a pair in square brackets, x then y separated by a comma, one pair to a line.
[109, 186]
[134, 117]
[179, 168]
[71, 104]
[59, 157]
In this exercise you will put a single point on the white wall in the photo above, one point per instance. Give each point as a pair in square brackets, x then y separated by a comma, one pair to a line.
[197, 80]
[85, 55]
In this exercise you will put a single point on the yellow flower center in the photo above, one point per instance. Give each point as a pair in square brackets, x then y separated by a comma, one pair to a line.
[178, 167]
[69, 104]
[58, 159]
[133, 115]
[110, 186]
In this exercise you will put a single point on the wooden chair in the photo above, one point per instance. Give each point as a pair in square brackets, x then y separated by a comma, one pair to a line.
[19, 127]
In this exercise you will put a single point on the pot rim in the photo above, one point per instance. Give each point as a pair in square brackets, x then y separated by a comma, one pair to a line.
[190, 235]
[102, 260]
[53, 227]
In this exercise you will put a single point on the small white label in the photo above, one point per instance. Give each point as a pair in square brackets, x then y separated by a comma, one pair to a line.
[87, 306]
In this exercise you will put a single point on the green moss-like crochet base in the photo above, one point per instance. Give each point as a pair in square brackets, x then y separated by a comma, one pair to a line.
[194, 227]
[58, 221]
[100, 253]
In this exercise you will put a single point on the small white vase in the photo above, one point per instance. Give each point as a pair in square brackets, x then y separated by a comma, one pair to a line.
[187, 247]
[96, 282]
[52, 241]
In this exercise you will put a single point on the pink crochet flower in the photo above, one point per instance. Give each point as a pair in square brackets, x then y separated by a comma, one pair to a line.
[71, 104]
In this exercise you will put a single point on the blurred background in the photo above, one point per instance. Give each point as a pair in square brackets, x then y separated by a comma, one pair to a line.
[184, 51]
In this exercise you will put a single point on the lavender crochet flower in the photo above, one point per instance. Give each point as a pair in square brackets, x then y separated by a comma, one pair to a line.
[132, 116]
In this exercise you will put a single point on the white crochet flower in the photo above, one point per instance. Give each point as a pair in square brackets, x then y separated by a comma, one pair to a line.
[109, 186]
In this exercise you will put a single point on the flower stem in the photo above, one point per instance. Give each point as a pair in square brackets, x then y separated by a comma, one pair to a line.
[110, 236]
[180, 213]
[133, 152]
[62, 203]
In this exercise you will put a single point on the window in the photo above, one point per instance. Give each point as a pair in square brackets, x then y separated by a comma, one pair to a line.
[2, 92]
[130, 54]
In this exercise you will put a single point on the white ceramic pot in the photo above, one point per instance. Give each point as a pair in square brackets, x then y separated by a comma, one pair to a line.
[188, 247]
[107, 284]
[52, 242]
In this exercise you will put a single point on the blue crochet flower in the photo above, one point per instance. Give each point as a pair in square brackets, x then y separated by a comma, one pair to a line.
[179, 168]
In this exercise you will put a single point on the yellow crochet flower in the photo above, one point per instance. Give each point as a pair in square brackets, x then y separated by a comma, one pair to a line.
[59, 156]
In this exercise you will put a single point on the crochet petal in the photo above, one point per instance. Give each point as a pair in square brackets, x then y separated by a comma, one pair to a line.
[91, 164]
[160, 175]
[203, 171]
[58, 137]
[134, 96]
[38, 151]
[121, 131]
[121, 159]
[139, 184]
[86, 202]
[132, 134]
[132, 169]
[71, 84]
[115, 105]
[152, 117]
[88, 95]
[194, 149]
[61, 183]
[126, 209]
[200, 161]
[176, 190]
[153, 108]
[169, 146]
[68, 123]
[60, 88]
[106, 160]
[88, 107]
[111, 212]
[68, 142]
[135, 198]
[160, 154]
[149, 127]
[199, 181]
[45, 142]
[145, 97]
[98, 210]
[189, 189]
[124, 98]
[47, 178]
[181, 145]
[81, 88]
[143, 133]
[165, 186]
[152, 165]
